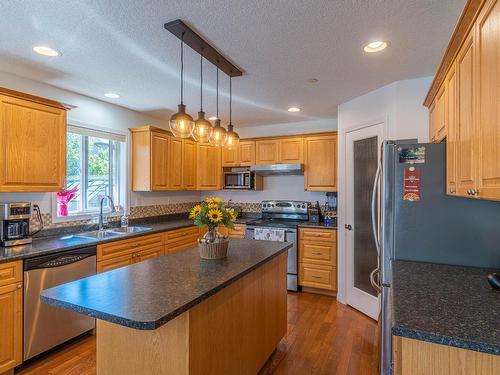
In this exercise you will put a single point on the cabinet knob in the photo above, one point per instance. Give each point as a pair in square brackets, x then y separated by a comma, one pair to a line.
[19, 286]
[348, 226]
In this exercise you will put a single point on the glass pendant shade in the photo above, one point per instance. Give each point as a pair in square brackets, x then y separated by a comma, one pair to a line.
[202, 129]
[232, 138]
[181, 123]
[219, 135]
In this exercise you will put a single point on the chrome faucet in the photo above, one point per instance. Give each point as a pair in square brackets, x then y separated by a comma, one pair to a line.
[113, 209]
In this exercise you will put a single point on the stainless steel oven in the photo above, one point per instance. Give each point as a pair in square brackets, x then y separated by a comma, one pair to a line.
[243, 180]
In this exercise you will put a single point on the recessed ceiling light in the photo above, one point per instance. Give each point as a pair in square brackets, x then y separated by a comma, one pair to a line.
[376, 46]
[212, 118]
[112, 95]
[312, 80]
[46, 51]
[294, 109]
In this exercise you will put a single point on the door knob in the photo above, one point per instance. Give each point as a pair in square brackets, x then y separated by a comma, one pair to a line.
[348, 226]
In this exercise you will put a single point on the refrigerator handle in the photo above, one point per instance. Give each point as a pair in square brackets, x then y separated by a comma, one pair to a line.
[375, 282]
[375, 228]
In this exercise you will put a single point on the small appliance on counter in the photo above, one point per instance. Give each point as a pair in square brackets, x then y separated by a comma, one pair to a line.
[15, 223]
[314, 213]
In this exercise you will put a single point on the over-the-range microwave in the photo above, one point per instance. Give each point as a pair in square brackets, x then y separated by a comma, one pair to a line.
[242, 180]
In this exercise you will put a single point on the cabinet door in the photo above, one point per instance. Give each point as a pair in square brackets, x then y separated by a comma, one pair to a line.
[465, 134]
[32, 146]
[175, 164]
[320, 163]
[159, 161]
[11, 326]
[114, 263]
[189, 165]
[451, 142]
[230, 157]
[208, 166]
[267, 152]
[247, 153]
[148, 254]
[488, 129]
[432, 122]
[440, 127]
[291, 150]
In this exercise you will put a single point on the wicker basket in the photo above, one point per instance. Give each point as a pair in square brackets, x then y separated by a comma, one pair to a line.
[213, 250]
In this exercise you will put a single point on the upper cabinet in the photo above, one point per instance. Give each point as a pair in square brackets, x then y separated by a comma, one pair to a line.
[230, 157]
[247, 153]
[467, 90]
[162, 162]
[291, 150]
[267, 151]
[320, 163]
[209, 167]
[32, 143]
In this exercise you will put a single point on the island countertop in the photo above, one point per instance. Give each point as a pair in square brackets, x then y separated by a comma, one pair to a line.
[147, 295]
[448, 305]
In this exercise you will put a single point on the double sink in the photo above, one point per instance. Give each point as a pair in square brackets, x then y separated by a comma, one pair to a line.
[110, 233]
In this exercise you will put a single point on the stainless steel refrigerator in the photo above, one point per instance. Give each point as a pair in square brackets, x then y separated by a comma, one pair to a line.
[413, 219]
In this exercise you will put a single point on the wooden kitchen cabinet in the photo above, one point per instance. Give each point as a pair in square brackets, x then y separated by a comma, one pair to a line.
[230, 157]
[320, 163]
[239, 231]
[32, 143]
[318, 258]
[468, 83]
[267, 151]
[11, 315]
[291, 150]
[246, 153]
[162, 162]
[180, 239]
[438, 127]
[209, 167]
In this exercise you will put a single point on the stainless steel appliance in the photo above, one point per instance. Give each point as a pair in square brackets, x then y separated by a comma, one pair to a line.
[45, 326]
[241, 180]
[278, 169]
[285, 215]
[415, 220]
[15, 223]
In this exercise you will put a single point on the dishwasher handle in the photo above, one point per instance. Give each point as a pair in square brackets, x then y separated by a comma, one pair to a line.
[59, 259]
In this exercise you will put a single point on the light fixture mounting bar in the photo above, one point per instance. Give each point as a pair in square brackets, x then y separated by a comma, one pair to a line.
[197, 43]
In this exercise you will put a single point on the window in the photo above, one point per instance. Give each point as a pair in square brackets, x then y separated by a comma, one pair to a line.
[93, 169]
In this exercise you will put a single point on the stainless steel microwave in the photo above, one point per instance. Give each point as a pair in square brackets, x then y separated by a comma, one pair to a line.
[244, 180]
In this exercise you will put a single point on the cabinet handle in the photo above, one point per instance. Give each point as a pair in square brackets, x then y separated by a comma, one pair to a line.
[316, 277]
[317, 253]
[136, 245]
[19, 286]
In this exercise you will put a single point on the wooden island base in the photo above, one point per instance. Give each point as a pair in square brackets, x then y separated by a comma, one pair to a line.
[232, 332]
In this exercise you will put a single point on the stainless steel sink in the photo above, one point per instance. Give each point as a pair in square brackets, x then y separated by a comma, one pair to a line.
[124, 230]
[98, 234]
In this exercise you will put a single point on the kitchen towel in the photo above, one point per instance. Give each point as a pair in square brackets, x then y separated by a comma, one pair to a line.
[277, 235]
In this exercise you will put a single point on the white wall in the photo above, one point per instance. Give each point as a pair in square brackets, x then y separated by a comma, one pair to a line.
[399, 106]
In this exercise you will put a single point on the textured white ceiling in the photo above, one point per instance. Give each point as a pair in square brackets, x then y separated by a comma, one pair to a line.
[121, 46]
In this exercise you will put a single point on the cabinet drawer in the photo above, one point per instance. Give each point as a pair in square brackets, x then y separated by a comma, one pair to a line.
[181, 244]
[175, 235]
[317, 276]
[318, 252]
[11, 272]
[148, 254]
[318, 234]
[118, 248]
[114, 263]
[238, 231]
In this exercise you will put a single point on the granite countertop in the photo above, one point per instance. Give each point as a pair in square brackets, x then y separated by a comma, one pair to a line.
[449, 305]
[53, 244]
[147, 295]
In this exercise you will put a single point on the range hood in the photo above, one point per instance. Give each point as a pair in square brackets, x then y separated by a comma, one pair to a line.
[278, 169]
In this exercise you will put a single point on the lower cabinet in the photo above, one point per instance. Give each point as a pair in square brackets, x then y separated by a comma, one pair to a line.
[11, 315]
[318, 258]
[180, 239]
[415, 357]
[238, 231]
[123, 253]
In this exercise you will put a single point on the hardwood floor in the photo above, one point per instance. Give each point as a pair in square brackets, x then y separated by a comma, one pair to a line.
[324, 337]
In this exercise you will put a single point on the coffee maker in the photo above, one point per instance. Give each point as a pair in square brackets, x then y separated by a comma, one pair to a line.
[15, 223]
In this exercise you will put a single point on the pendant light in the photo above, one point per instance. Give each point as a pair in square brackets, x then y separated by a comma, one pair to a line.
[181, 123]
[233, 139]
[219, 134]
[202, 127]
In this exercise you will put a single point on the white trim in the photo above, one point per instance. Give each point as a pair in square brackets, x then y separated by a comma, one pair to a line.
[96, 133]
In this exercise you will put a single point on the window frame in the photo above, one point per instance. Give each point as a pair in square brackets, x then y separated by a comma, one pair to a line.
[120, 182]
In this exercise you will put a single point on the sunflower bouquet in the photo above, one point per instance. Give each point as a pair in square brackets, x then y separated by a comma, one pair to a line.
[212, 213]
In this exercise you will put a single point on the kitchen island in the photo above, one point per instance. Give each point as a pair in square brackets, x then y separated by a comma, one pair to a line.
[179, 314]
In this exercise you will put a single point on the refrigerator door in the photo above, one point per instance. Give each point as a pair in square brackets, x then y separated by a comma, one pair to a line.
[386, 334]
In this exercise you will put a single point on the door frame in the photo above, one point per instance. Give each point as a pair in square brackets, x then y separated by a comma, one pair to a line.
[342, 207]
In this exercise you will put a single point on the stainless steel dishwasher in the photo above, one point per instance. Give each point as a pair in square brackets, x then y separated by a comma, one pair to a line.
[45, 326]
